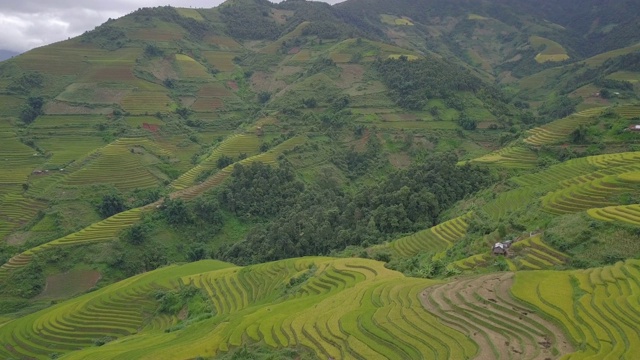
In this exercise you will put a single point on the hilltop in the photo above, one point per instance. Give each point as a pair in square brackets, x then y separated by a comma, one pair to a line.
[301, 180]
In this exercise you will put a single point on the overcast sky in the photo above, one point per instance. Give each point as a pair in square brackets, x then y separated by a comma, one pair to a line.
[25, 24]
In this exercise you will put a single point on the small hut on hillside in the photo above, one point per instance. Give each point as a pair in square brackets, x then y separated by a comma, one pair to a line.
[500, 249]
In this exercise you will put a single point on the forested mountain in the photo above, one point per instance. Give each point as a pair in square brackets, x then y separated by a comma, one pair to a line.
[374, 179]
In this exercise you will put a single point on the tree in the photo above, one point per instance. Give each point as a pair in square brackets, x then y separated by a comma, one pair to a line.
[466, 122]
[264, 97]
[176, 212]
[224, 161]
[32, 109]
[136, 234]
[579, 135]
[110, 205]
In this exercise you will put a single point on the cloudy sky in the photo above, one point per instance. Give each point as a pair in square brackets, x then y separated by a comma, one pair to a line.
[25, 24]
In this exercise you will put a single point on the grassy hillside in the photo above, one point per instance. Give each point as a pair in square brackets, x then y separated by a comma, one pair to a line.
[359, 160]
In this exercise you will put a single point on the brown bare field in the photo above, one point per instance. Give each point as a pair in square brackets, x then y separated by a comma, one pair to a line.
[351, 74]
[68, 284]
[187, 101]
[110, 71]
[162, 69]
[340, 57]
[207, 104]
[482, 308]
[215, 90]
[262, 81]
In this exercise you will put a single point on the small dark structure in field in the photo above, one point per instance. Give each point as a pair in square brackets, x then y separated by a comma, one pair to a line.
[500, 249]
[634, 127]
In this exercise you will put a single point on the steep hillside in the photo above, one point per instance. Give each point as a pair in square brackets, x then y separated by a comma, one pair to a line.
[464, 166]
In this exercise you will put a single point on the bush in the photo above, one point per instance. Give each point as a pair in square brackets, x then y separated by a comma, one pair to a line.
[110, 205]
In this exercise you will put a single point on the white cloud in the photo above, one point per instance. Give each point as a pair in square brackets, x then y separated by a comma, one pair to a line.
[25, 24]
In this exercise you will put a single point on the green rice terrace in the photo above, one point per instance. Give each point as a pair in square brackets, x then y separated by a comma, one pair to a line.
[299, 180]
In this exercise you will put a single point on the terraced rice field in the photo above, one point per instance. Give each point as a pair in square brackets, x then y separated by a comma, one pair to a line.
[550, 50]
[16, 156]
[435, 239]
[513, 157]
[630, 76]
[349, 309]
[629, 111]
[556, 173]
[65, 58]
[16, 211]
[590, 191]
[163, 32]
[601, 58]
[558, 130]
[535, 254]
[10, 105]
[221, 60]
[65, 149]
[598, 308]
[473, 262]
[269, 157]
[147, 102]
[232, 147]
[190, 13]
[223, 42]
[483, 309]
[114, 312]
[191, 69]
[506, 202]
[120, 165]
[108, 229]
[105, 230]
[629, 214]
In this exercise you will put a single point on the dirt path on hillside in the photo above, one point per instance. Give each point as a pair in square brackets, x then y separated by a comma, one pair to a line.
[503, 328]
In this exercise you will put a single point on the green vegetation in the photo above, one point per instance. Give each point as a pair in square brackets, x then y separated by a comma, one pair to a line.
[471, 169]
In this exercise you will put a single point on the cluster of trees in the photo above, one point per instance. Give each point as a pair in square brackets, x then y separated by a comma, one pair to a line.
[252, 194]
[250, 20]
[32, 109]
[106, 36]
[304, 220]
[412, 83]
[557, 108]
[24, 84]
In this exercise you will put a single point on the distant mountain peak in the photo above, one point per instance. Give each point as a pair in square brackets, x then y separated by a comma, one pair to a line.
[7, 54]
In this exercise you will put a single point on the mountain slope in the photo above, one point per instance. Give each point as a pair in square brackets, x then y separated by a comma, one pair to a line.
[403, 139]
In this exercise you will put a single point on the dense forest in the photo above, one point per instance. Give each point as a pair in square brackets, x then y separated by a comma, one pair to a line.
[296, 219]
